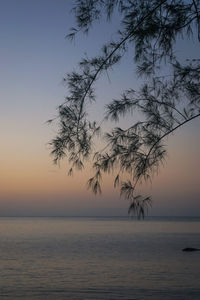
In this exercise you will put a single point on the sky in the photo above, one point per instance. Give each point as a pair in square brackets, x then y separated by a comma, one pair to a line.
[34, 57]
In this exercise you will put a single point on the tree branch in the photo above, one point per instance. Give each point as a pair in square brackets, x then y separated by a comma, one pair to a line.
[166, 134]
[198, 19]
[111, 54]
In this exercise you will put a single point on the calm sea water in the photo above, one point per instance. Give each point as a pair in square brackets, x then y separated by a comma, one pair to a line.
[99, 258]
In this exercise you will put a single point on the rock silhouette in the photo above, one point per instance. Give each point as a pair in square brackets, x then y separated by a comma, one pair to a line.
[190, 249]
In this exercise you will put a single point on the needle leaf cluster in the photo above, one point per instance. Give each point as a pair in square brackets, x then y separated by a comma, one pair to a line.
[164, 101]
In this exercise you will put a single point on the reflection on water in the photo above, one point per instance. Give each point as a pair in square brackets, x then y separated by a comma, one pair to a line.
[99, 258]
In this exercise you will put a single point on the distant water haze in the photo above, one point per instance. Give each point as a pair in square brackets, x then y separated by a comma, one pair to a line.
[99, 258]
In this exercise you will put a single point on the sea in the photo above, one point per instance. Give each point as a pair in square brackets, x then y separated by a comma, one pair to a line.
[99, 258]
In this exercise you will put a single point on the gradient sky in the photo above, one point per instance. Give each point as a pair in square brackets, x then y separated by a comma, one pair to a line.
[34, 57]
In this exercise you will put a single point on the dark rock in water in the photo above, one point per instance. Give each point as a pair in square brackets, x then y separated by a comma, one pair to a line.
[190, 249]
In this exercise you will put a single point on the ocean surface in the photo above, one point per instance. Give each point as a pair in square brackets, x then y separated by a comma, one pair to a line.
[99, 258]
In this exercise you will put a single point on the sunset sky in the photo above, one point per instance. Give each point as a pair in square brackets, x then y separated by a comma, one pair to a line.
[34, 57]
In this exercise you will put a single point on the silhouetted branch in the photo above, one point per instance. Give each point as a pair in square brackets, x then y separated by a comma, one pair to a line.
[165, 102]
[130, 34]
[165, 135]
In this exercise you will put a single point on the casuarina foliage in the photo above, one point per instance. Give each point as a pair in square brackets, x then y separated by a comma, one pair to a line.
[168, 98]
